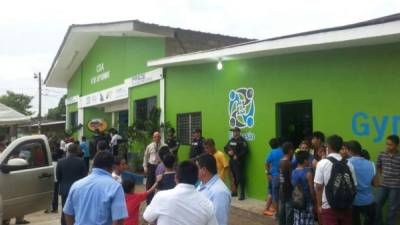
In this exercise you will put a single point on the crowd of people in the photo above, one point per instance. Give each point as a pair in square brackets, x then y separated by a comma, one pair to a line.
[332, 182]
[325, 181]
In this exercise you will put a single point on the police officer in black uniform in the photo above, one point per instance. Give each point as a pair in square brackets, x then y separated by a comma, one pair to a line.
[237, 149]
[172, 143]
[196, 148]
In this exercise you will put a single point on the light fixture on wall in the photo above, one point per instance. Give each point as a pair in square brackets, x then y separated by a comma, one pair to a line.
[219, 65]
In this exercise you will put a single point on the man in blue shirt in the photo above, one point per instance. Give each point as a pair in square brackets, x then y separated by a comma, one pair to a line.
[98, 198]
[86, 152]
[364, 202]
[214, 188]
[272, 169]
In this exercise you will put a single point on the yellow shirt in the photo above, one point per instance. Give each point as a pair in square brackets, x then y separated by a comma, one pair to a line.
[222, 163]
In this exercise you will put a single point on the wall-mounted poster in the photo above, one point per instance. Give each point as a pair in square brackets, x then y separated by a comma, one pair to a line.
[99, 124]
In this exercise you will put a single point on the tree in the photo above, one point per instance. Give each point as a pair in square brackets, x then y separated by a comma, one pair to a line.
[19, 102]
[58, 113]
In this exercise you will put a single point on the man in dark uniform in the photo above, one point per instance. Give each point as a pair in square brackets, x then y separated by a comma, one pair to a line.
[237, 149]
[196, 148]
[172, 143]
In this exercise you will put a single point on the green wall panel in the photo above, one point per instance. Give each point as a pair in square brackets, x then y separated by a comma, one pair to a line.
[75, 84]
[340, 83]
[122, 57]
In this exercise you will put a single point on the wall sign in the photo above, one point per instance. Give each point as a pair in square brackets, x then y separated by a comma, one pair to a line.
[242, 110]
[365, 125]
[108, 95]
[72, 100]
[99, 124]
[144, 78]
[104, 75]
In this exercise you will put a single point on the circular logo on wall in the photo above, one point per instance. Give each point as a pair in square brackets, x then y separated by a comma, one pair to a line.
[99, 124]
[241, 108]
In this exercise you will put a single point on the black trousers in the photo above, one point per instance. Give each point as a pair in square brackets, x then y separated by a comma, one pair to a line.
[54, 202]
[151, 179]
[63, 200]
[368, 212]
[86, 160]
[237, 169]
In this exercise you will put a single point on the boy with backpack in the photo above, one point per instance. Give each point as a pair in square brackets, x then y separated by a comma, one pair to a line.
[303, 195]
[285, 186]
[335, 183]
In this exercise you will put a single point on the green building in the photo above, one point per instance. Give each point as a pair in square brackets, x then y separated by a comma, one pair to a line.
[341, 80]
[103, 66]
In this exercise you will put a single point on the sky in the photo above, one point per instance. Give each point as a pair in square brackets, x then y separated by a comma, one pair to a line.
[31, 31]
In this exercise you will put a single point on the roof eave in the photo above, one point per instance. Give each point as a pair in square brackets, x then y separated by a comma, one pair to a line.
[354, 36]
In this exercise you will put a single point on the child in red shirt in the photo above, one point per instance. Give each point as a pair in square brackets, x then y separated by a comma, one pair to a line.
[133, 200]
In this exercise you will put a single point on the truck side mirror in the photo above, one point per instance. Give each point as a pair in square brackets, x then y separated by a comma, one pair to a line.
[14, 164]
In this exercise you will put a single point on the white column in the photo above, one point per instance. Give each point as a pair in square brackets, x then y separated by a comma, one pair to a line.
[80, 121]
[162, 103]
[113, 119]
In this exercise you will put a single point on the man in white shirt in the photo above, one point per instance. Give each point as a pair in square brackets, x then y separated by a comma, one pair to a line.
[115, 137]
[151, 160]
[119, 167]
[182, 205]
[322, 175]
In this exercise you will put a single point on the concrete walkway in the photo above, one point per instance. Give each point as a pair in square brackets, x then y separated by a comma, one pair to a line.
[247, 212]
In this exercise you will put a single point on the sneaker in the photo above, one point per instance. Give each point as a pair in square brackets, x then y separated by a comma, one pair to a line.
[23, 222]
[268, 213]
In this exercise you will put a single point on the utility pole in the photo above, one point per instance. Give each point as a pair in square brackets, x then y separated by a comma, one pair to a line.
[39, 77]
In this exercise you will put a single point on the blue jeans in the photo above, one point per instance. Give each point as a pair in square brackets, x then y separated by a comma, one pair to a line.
[275, 189]
[393, 197]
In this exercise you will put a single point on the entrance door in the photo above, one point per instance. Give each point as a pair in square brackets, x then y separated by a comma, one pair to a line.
[123, 117]
[294, 120]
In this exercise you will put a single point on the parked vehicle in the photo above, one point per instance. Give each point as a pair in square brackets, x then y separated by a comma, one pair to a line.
[26, 177]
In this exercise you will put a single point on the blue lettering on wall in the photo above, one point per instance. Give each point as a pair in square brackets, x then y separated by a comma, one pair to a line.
[363, 129]
[362, 124]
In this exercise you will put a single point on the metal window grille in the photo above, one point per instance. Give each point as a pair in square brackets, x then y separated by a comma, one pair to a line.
[186, 124]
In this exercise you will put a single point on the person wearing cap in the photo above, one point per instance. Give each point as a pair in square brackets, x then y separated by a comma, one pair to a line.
[196, 148]
[172, 143]
[237, 149]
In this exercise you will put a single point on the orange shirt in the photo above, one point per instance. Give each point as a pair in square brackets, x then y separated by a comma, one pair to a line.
[222, 163]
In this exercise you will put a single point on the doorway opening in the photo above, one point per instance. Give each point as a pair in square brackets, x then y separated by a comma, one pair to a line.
[123, 117]
[294, 120]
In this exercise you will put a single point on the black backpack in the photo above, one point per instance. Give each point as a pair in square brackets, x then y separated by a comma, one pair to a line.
[298, 195]
[340, 190]
[298, 198]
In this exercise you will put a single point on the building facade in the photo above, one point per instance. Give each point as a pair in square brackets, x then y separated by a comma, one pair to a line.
[340, 80]
[103, 67]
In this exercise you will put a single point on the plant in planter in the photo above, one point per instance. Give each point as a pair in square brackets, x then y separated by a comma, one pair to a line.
[140, 134]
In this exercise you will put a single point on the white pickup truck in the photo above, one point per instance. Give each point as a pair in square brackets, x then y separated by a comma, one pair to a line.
[26, 177]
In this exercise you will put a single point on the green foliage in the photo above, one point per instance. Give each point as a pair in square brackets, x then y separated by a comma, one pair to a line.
[19, 102]
[58, 113]
[73, 130]
[138, 139]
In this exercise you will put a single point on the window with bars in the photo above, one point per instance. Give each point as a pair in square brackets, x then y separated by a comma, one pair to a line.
[186, 123]
[73, 119]
[142, 111]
